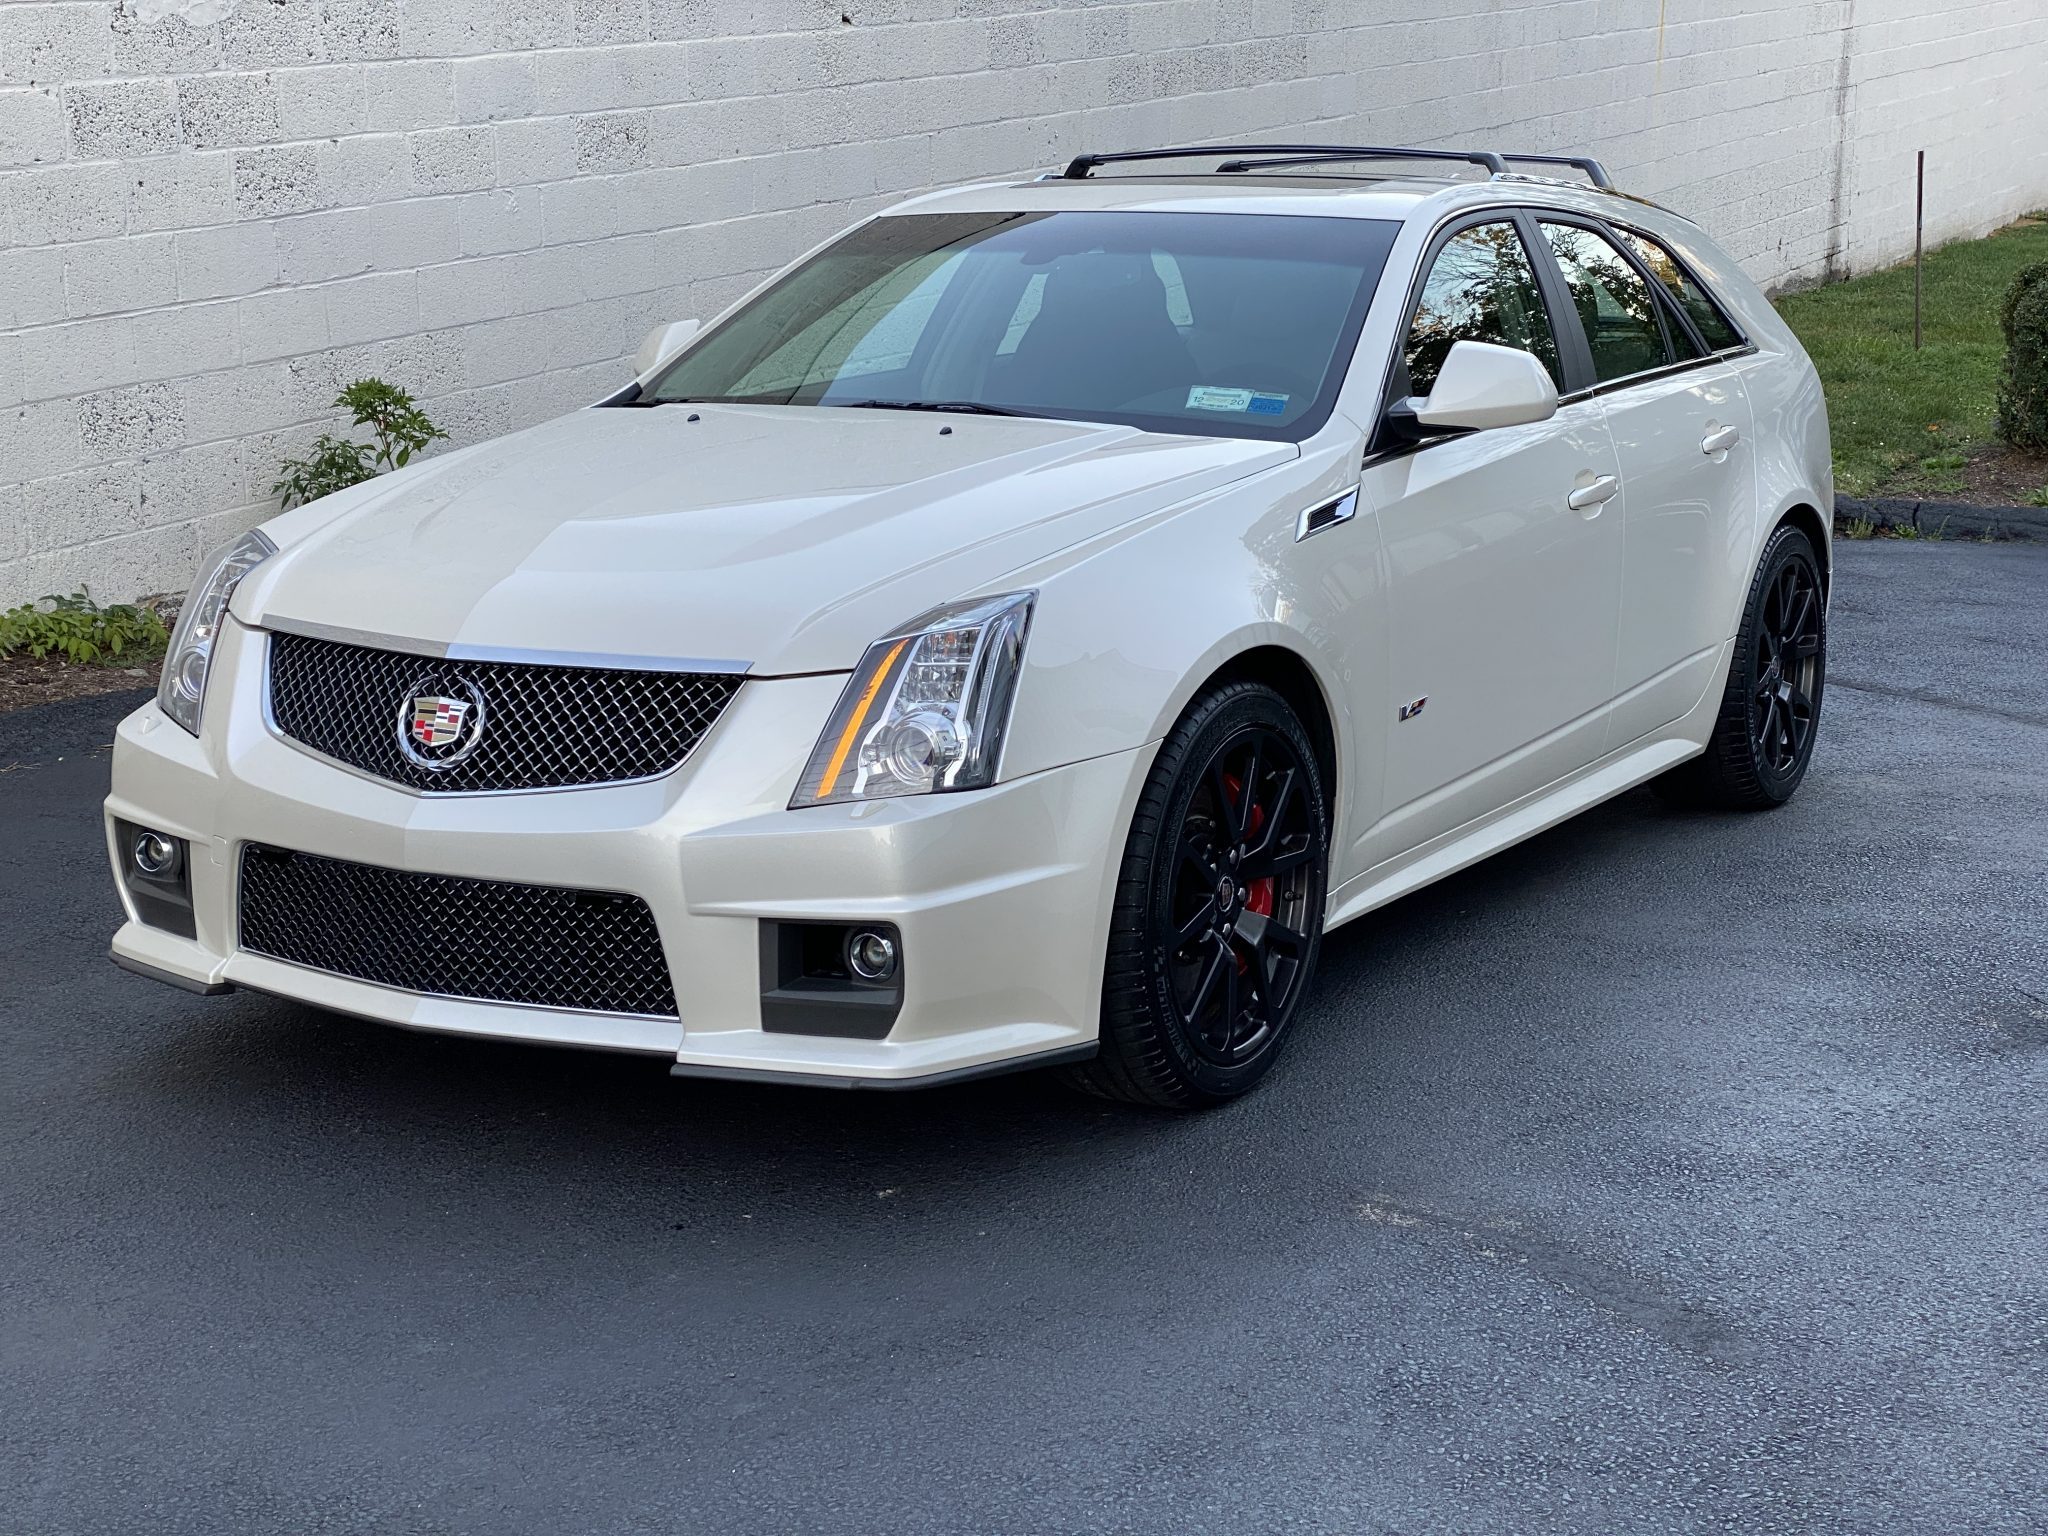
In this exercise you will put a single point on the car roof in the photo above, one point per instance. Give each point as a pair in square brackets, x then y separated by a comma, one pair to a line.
[1325, 196]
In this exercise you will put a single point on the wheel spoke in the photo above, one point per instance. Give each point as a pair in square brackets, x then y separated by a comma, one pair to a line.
[1278, 936]
[1231, 1006]
[1226, 805]
[1250, 795]
[1191, 930]
[1796, 624]
[1276, 814]
[1266, 865]
[1219, 962]
[1258, 1008]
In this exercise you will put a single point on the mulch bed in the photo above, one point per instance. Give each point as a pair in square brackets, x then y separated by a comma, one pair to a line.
[24, 681]
[1994, 476]
[2000, 477]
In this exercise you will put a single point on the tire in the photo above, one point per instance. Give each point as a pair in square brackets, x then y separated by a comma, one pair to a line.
[1770, 713]
[1189, 1022]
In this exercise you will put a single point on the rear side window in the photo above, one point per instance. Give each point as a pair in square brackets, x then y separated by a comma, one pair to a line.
[1615, 305]
[1704, 313]
[1482, 287]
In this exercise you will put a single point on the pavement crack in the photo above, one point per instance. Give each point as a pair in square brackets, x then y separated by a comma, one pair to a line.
[1621, 1295]
[1928, 696]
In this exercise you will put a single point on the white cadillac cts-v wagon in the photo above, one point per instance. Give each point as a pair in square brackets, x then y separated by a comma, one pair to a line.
[1011, 636]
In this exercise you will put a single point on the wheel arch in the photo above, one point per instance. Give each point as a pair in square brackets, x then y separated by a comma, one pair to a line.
[1807, 519]
[1288, 674]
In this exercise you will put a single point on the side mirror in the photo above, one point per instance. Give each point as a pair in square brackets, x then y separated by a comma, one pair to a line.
[1482, 385]
[663, 343]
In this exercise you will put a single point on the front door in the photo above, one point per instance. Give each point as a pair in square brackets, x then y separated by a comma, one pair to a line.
[1502, 599]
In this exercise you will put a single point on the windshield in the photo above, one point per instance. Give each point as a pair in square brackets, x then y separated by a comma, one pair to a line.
[1235, 325]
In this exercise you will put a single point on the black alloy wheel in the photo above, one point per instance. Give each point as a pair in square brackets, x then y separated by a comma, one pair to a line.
[1770, 712]
[1785, 705]
[1219, 906]
[1234, 931]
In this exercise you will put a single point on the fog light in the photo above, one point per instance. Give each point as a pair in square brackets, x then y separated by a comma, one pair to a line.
[155, 855]
[870, 955]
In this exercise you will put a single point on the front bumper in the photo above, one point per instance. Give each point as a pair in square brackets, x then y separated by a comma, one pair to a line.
[1001, 896]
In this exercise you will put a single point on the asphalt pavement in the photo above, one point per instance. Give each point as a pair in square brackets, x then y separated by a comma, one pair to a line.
[1670, 1172]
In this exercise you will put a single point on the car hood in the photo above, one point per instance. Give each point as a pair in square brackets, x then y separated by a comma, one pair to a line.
[786, 539]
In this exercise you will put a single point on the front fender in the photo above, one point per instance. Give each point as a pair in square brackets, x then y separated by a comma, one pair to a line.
[1128, 630]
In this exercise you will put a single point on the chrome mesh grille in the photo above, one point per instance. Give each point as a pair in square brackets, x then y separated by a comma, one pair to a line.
[545, 727]
[452, 937]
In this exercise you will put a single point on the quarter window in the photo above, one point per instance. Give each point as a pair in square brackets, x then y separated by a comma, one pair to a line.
[1704, 313]
[1482, 288]
[1615, 304]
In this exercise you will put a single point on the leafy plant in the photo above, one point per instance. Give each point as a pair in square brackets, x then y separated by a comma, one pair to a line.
[2039, 498]
[398, 428]
[2023, 381]
[79, 629]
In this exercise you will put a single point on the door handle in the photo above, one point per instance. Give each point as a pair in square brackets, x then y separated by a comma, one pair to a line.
[1720, 440]
[1588, 497]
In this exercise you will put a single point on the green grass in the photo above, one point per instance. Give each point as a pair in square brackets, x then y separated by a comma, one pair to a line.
[1898, 414]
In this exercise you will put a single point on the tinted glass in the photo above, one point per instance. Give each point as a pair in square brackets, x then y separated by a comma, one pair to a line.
[1615, 304]
[1220, 324]
[1704, 313]
[1482, 287]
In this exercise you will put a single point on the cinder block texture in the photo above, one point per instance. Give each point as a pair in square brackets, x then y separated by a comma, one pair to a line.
[213, 213]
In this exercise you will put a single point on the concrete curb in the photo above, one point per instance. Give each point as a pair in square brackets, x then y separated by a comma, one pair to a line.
[1944, 519]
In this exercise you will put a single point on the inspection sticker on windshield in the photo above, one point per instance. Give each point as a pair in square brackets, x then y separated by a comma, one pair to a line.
[1206, 397]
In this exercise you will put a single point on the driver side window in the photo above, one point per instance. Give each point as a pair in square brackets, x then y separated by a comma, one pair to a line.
[1482, 288]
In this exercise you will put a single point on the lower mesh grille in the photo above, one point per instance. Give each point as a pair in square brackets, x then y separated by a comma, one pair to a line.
[451, 937]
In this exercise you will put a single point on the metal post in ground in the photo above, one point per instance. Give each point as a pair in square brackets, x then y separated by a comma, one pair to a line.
[1919, 223]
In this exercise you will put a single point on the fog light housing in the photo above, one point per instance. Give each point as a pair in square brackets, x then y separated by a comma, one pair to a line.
[157, 877]
[870, 955]
[843, 979]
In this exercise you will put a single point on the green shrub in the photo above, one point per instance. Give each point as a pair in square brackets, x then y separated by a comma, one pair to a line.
[2023, 383]
[400, 429]
[79, 629]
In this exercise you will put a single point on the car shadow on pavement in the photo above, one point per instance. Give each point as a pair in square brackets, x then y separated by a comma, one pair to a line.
[264, 1065]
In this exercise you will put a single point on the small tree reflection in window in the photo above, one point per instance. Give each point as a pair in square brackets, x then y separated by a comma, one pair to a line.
[1482, 288]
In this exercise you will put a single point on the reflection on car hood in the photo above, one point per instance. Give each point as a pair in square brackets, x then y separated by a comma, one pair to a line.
[786, 539]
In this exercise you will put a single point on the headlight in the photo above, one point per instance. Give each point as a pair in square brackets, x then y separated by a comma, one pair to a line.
[926, 709]
[191, 654]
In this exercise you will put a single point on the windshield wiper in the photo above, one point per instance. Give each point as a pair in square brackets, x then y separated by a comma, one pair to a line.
[960, 407]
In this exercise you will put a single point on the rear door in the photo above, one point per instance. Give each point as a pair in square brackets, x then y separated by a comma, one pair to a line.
[1681, 427]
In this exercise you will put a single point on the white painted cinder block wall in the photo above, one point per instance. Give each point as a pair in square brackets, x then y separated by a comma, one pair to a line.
[213, 213]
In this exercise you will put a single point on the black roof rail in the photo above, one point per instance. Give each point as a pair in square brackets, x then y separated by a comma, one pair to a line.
[1595, 171]
[1080, 166]
[1480, 157]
